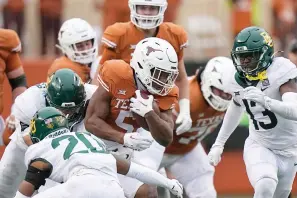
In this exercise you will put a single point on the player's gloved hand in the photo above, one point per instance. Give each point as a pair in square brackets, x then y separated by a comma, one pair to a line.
[214, 155]
[184, 118]
[137, 142]
[11, 122]
[254, 94]
[140, 105]
[175, 188]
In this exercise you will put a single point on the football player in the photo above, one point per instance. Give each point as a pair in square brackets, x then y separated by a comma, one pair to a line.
[153, 69]
[185, 157]
[77, 159]
[65, 91]
[11, 67]
[78, 42]
[265, 87]
[119, 41]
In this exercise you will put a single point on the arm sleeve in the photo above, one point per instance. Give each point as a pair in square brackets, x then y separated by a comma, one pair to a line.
[231, 121]
[287, 108]
[183, 43]
[147, 175]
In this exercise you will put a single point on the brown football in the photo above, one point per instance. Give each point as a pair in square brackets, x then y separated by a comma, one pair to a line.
[141, 120]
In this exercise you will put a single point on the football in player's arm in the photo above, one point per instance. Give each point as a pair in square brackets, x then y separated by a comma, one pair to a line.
[119, 42]
[114, 86]
[41, 166]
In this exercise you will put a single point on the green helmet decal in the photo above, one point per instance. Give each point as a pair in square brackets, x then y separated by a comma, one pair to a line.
[66, 92]
[46, 121]
[252, 53]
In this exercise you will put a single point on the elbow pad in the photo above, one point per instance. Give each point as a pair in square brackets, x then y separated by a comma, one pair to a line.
[37, 177]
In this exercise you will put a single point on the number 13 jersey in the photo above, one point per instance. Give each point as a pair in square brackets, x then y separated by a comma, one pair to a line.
[265, 127]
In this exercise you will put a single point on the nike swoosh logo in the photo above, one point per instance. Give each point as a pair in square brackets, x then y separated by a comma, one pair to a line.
[262, 89]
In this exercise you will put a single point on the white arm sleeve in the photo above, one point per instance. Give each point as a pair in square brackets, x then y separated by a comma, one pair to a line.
[287, 108]
[230, 122]
[147, 176]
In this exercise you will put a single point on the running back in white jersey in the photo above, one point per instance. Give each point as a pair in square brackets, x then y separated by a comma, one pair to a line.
[266, 127]
[72, 151]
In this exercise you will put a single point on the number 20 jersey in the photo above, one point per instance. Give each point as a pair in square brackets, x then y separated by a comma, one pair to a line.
[70, 152]
[265, 127]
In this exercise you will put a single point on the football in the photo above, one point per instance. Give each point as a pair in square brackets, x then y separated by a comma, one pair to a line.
[141, 120]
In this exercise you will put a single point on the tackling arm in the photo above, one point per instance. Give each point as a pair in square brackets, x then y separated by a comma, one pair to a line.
[38, 170]
[149, 176]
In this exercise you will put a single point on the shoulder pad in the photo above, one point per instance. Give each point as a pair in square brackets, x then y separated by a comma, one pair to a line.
[281, 70]
[9, 40]
[33, 98]
[113, 33]
[179, 32]
[116, 76]
[82, 71]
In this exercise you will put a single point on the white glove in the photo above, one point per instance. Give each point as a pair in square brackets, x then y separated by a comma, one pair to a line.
[214, 155]
[175, 188]
[254, 94]
[137, 142]
[140, 105]
[11, 122]
[184, 118]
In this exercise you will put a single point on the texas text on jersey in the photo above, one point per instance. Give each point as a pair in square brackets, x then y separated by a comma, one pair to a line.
[122, 88]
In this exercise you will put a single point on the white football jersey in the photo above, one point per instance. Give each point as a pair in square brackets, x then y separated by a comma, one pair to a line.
[73, 153]
[33, 99]
[266, 127]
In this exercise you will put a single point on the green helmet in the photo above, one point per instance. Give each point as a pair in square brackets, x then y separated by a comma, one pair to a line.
[46, 121]
[252, 52]
[66, 92]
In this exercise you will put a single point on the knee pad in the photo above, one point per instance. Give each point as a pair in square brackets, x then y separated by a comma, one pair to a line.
[265, 188]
